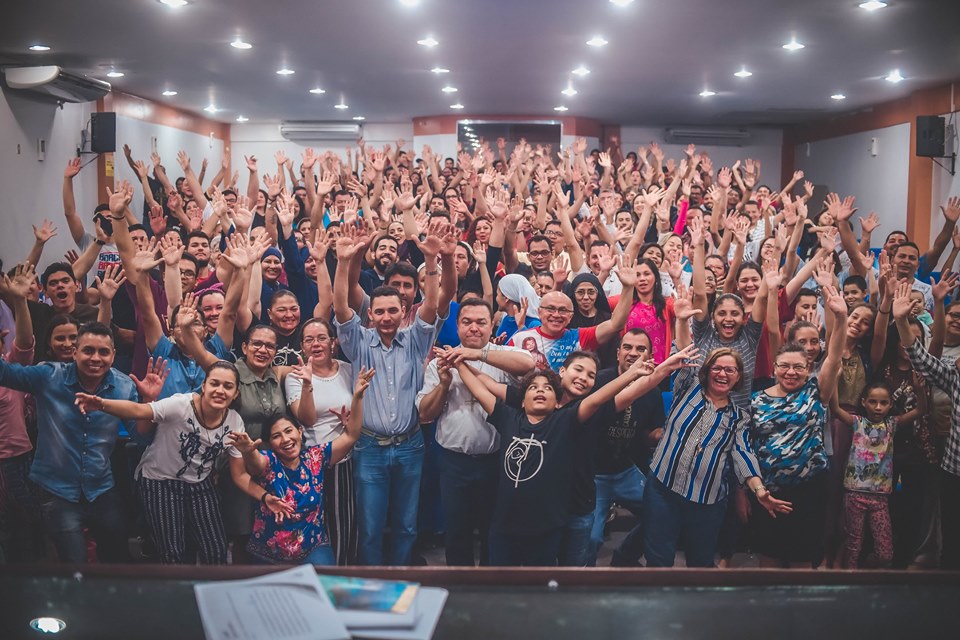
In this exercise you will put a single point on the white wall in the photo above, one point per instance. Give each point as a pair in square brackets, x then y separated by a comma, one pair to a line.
[764, 145]
[845, 165]
[944, 185]
[31, 188]
[263, 140]
[145, 137]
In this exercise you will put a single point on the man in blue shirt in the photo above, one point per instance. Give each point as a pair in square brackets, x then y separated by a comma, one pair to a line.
[72, 460]
[389, 454]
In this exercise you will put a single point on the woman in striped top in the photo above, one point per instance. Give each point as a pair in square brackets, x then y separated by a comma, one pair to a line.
[686, 494]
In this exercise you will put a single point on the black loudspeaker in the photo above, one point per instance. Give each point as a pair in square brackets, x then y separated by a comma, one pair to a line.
[103, 132]
[930, 130]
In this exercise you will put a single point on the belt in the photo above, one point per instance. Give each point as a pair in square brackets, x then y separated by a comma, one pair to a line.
[388, 441]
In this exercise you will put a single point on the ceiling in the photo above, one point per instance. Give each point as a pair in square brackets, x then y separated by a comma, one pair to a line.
[504, 56]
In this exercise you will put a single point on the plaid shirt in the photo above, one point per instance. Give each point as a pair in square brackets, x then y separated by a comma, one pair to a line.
[945, 375]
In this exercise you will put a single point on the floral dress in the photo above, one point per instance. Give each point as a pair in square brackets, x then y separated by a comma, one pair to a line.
[293, 539]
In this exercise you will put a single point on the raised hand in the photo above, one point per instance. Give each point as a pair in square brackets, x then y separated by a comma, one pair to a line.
[281, 158]
[20, 284]
[870, 223]
[251, 163]
[627, 272]
[520, 317]
[823, 274]
[683, 302]
[327, 183]
[113, 279]
[120, 199]
[560, 266]
[88, 403]
[184, 161]
[741, 227]
[686, 357]
[241, 440]
[152, 384]
[948, 282]
[840, 210]
[833, 300]
[45, 232]
[310, 158]
[72, 169]
[272, 183]
[724, 177]
[952, 211]
[364, 378]
[433, 242]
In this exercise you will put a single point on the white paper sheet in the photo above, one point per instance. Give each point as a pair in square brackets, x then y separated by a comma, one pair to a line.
[429, 603]
[287, 605]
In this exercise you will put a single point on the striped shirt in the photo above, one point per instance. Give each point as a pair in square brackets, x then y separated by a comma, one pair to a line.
[699, 441]
[942, 373]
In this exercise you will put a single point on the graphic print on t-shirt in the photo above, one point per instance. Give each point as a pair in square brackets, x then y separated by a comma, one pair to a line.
[523, 459]
[547, 352]
[191, 444]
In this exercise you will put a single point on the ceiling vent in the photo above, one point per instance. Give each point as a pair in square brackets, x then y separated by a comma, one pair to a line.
[307, 131]
[690, 135]
[57, 83]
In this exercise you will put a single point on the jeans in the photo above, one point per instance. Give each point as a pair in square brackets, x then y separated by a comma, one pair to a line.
[19, 522]
[388, 481]
[575, 541]
[626, 488]
[525, 550]
[468, 489]
[669, 516]
[950, 520]
[64, 522]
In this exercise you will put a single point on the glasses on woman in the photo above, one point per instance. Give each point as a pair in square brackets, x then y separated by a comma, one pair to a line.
[256, 345]
[585, 293]
[321, 339]
[719, 368]
[791, 366]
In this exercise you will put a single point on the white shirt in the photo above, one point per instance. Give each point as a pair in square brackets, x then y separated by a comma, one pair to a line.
[335, 392]
[182, 448]
[462, 424]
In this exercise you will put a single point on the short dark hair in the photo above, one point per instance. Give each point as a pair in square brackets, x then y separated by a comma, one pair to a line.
[385, 292]
[790, 347]
[257, 327]
[474, 302]
[912, 245]
[553, 379]
[540, 238]
[855, 280]
[234, 193]
[376, 243]
[191, 258]
[95, 329]
[403, 269]
[197, 234]
[636, 331]
[55, 268]
[806, 291]
[281, 293]
[581, 355]
[137, 227]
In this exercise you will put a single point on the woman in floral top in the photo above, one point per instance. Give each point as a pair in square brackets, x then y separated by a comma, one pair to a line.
[289, 525]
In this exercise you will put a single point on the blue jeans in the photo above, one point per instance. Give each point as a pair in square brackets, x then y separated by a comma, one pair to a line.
[388, 481]
[525, 550]
[64, 522]
[670, 517]
[468, 488]
[626, 488]
[575, 542]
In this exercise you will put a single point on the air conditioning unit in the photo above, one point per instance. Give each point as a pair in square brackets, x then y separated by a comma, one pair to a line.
[53, 81]
[309, 131]
[683, 135]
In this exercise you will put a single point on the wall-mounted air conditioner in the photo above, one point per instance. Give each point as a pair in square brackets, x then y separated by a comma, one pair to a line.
[307, 131]
[53, 81]
[699, 135]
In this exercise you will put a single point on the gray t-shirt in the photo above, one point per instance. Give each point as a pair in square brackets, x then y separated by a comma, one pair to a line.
[745, 343]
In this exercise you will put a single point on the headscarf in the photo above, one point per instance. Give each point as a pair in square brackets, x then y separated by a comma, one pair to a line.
[603, 305]
[515, 288]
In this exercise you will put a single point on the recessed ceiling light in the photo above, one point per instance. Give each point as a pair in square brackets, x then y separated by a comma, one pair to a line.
[456, 106]
[621, 3]
[317, 91]
[581, 71]
[359, 118]
[743, 73]
[240, 44]
[242, 118]
[115, 74]
[560, 108]
[449, 89]
[596, 41]
[894, 76]
[793, 45]
[409, 3]
[341, 106]
[285, 72]
[173, 3]
[706, 93]
[872, 5]
[39, 47]
[169, 92]
[838, 96]
[439, 70]
[211, 108]
[569, 91]
[427, 42]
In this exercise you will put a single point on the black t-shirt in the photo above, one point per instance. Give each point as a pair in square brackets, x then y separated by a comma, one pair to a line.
[623, 438]
[288, 350]
[535, 480]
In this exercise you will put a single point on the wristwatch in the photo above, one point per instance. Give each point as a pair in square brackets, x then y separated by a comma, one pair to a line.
[760, 491]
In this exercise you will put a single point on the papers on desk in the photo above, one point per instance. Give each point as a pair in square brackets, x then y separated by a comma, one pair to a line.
[297, 604]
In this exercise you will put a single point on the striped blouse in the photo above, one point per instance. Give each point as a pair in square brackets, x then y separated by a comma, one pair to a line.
[699, 442]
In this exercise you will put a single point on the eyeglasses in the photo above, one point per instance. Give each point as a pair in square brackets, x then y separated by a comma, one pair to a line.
[954, 316]
[721, 369]
[787, 366]
[320, 339]
[557, 311]
[552, 232]
[259, 344]
[585, 293]
[539, 254]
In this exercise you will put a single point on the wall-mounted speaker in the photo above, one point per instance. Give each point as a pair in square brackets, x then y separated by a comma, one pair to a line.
[103, 132]
[930, 136]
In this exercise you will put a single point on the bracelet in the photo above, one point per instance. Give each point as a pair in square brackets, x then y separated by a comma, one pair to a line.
[120, 217]
[883, 311]
[433, 273]
[484, 352]
[100, 242]
[759, 489]
[263, 498]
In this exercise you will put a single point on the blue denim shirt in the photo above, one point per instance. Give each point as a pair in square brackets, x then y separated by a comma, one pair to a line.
[72, 459]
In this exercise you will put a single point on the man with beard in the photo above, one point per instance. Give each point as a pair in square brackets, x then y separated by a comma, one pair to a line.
[470, 446]
[198, 245]
[385, 250]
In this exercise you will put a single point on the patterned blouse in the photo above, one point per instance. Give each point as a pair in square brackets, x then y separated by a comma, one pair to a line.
[297, 536]
[787, 435]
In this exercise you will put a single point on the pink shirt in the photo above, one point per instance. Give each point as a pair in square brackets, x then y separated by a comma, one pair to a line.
[13, 424]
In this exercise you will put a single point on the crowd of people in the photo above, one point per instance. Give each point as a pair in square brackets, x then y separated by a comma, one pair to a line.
[310, 366]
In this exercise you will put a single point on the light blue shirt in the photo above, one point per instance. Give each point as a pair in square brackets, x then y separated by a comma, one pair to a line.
[72, 459]
[185, 376]
[389, 405]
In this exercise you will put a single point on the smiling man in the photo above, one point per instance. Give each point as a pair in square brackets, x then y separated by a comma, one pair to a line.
[60, 288]
[72, 461]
